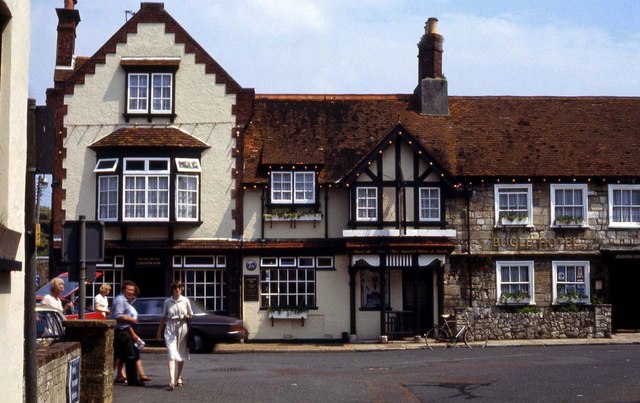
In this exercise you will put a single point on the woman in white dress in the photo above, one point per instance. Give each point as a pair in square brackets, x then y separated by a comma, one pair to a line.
[176, 311]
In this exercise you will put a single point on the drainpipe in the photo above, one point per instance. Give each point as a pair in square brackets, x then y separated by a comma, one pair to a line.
[30, 348]
[262, 215]
[326, 212]
[468, 256]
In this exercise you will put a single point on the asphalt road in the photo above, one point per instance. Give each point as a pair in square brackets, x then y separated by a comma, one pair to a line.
[595, 373]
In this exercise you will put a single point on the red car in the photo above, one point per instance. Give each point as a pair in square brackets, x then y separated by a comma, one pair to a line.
[71, 294]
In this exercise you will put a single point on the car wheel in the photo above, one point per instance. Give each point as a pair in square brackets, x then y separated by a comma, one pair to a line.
[202, 344]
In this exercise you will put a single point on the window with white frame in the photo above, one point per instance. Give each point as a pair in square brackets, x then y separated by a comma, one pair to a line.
[624, 206]
[287, 285]
[429, 202]
[138, 93]
[513, 204]
[289, 187]
[204, 279]
[146, 189]
[108, 198]
[187, 197]
[150, 93]
[111, 272]
[366, 204]
[161, 92]
[568, 204]
[571, 281]
[514, 278]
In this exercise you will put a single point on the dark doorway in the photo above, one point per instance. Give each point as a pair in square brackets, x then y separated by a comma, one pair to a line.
[624, 294]
[423, 279]
[149, 273]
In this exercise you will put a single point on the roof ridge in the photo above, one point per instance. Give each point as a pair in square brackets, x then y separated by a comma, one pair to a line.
[334, 97]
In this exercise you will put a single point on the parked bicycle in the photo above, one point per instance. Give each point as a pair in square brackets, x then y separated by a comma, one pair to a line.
[444, 335]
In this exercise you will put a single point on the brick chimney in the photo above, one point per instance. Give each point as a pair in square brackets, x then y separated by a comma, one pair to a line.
[68, 20]
[431, 93]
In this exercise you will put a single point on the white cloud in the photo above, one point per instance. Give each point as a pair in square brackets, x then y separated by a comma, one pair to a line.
[487, 55]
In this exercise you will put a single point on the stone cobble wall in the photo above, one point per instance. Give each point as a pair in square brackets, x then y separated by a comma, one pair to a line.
[497, 324]
[483, 230]
[470, 272]
[53, 366]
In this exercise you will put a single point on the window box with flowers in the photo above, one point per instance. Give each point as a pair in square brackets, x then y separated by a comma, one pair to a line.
[514, 219]
[292, 215]
[288, 312]
[518, 297]
[572, 297]
[568, 221]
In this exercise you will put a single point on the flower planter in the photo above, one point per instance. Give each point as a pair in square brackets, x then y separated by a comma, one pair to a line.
[288, 315]
[9, 242]
[568, 224]
[516, 301]
[293, 217]
[514, 222]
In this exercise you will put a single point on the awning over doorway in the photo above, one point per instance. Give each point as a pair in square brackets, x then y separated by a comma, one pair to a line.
[397, 260]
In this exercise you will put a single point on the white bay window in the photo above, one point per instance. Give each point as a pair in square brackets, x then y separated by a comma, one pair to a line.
[146, 189]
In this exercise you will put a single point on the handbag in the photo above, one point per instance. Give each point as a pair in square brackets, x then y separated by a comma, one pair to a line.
[191, 340]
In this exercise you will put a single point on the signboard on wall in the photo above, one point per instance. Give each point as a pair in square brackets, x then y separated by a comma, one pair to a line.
[251, 288]
[73, 380]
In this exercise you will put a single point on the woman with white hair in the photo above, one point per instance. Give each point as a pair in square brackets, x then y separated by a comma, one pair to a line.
[101, 303]
[56, 287]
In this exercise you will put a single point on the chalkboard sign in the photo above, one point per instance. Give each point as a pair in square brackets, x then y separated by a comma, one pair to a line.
[74, 380]
[251, 284]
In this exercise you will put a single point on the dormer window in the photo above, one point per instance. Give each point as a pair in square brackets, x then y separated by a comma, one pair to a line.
[290, 187]
[150, 87]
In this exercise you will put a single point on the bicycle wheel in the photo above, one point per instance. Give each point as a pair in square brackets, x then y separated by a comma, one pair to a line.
[474, 339]
[437, 336]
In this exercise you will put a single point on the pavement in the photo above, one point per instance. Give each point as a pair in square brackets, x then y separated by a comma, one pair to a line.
[407, 344]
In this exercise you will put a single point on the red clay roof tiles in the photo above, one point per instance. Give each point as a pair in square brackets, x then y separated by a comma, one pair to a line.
[149, 137]
[482, 137]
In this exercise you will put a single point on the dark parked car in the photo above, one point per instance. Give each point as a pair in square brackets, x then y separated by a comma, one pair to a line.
[208, 328]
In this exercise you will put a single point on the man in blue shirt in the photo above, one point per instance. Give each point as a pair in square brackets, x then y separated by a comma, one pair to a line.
[122, 312]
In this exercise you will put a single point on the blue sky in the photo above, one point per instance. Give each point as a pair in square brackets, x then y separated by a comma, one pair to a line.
[542, 47]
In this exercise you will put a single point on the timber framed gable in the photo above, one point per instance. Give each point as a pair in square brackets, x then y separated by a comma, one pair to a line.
[398, 184]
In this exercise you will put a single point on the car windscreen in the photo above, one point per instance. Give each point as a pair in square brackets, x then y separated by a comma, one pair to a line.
[69, 287]
[48, 325]
[148, 306]
[196, 307]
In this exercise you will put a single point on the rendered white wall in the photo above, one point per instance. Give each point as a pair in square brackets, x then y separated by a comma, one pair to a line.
[203, 110]
[14, 65]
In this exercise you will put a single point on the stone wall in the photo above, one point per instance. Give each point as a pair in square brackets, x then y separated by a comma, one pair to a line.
[53, 365]
[498, 324]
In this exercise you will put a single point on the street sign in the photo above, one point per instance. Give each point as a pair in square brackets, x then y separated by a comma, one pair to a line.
[94, 247]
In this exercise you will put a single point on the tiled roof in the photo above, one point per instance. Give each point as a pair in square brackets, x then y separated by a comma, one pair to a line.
[149, 137]
[482, 136]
